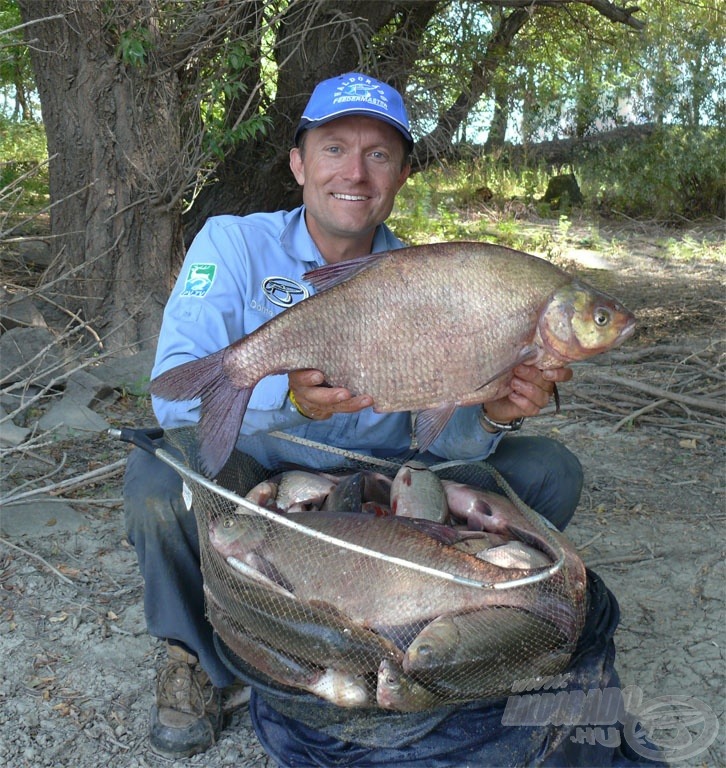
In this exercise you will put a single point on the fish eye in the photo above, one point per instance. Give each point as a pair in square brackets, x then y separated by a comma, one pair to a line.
[601, 316]
[228, 522]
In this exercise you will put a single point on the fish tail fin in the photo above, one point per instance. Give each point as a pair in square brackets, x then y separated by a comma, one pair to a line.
[223, 405]
[189, 380]
[222, 412]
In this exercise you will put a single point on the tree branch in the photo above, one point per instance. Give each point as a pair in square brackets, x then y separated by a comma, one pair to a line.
[439, 139]
[616, 13]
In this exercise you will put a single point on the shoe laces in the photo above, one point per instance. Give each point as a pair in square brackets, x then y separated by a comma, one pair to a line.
[181, 686]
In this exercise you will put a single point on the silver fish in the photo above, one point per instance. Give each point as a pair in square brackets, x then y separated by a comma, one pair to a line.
[263, 494]
[398, 691]
[394, 601]
[495, 514]
[298, 490]
[425, 329]
[463, 655]
[341, 687]
[418, 492]
[515, 554]
[314, 632]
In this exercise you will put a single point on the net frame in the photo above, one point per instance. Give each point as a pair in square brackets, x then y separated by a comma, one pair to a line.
[374, 676]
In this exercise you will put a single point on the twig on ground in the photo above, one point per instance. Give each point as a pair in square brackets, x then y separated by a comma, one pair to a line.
[621, 559]
[645, 409]
[40, 559]
[697, 402]
[590, 541]
[72, 483]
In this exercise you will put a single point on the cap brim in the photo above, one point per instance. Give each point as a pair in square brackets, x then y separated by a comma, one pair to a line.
[305, 124]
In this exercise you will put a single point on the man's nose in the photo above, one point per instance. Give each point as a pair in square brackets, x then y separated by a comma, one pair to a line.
[355, 166]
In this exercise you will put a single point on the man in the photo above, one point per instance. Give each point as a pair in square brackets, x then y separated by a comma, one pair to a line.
[351, 157]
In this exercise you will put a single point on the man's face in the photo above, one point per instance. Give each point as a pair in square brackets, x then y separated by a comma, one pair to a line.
[351, 170]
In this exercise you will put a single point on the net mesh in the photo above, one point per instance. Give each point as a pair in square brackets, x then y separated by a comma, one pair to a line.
[371, 611]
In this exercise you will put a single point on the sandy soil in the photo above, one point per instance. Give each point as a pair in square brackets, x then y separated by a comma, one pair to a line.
[78, 667]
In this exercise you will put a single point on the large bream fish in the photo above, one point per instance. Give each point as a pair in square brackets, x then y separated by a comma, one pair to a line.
[425, 329]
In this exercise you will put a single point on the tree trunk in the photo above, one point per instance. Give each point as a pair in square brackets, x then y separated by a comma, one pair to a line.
[256, 177]
[112, 134]
[498, 126]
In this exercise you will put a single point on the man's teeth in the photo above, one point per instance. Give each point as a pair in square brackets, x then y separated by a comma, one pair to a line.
[349, 197]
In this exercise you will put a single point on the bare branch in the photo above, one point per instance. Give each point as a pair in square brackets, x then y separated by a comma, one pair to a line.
[616, 13]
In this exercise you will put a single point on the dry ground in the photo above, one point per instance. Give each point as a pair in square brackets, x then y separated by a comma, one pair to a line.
[78, 668]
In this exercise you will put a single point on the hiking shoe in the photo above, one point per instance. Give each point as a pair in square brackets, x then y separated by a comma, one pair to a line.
[187, 716]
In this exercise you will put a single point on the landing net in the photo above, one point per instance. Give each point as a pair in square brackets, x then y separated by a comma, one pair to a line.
[338, 597]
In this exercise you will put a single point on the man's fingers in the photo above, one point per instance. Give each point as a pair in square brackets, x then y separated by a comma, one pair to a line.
[307, 377]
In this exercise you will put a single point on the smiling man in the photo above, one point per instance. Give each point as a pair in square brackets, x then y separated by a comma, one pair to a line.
[351, 157]
[351, 170]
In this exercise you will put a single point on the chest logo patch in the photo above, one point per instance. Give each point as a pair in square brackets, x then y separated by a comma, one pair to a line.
[284, 292]
[199, 280]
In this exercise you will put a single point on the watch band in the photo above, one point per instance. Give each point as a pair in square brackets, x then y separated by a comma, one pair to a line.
[510, 426]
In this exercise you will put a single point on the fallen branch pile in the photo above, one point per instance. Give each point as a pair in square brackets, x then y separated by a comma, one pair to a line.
[676, 388]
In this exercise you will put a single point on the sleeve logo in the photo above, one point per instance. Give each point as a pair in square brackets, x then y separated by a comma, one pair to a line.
[199, 280]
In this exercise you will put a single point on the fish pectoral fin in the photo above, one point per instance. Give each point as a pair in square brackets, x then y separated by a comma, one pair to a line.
[430, 424]
[326, 277]
[323, 606]
[253, 574]
[525, 355]
[268, 570]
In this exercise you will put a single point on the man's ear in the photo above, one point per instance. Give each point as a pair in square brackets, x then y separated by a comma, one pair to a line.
[297, 166]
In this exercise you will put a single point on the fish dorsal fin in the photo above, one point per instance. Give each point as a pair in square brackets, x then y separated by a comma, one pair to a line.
[529, 353]
[430, 423]
[329, 275]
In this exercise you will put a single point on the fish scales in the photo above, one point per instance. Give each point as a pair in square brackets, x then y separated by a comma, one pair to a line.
[402, 597]
[409, 327]
[423, 329]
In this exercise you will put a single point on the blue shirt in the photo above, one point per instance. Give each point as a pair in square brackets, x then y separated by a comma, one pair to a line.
[239, 272]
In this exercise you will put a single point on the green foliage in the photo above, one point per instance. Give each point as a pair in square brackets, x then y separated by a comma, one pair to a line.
[674, 173]
[22, 142]
[134, 46]
[23, 149]
[219, 136]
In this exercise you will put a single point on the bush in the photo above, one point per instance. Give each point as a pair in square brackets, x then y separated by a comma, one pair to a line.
[23, 152]
[672, 174]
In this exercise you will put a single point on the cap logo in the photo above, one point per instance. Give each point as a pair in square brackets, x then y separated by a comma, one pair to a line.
[361, 89]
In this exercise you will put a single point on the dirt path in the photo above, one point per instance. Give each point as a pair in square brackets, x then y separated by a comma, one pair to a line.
[78, 667]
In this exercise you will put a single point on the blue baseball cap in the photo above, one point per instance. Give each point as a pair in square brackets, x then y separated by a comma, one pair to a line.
[355, 94]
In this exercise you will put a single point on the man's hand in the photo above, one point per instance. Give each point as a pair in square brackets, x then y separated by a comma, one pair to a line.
[317, 401]
[531, 391]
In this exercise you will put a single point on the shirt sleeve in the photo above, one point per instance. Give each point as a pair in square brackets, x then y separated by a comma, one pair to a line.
[205, 313]
[464, 437]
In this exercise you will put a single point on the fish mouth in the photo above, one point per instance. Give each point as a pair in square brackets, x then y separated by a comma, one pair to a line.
[628, 330]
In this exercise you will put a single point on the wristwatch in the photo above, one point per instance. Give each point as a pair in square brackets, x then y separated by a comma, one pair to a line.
[510, 426]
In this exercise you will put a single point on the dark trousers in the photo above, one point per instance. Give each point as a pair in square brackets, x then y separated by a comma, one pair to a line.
[543, 473]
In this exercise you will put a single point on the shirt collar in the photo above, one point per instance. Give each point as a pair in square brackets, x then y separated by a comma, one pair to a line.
[297, 243]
